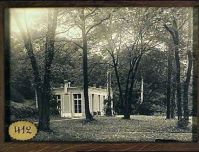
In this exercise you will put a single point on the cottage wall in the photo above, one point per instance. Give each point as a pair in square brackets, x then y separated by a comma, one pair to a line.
[97, 97]
[66, 104]
[96, 101]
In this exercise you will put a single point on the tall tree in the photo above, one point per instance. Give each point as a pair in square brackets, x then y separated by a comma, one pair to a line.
[173, 31]
[188, 73]
[43, 88]
[85, 64]
[86, 20]
[49, 56]
[126, 54]
[186, 87]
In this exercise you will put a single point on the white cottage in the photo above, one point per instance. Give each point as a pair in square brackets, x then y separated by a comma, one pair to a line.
[71, 100]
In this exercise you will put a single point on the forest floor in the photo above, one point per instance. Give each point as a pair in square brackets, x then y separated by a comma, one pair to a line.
[115, 129]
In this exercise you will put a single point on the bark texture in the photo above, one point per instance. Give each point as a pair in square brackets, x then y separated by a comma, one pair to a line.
[186, 87]
[169, 68]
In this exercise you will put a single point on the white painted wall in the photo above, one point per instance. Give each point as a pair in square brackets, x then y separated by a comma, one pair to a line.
[96, 101]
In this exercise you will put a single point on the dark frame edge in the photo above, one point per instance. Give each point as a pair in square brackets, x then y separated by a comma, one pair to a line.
[91, 146]
[2, 95]
[195, 64]
[100, 3]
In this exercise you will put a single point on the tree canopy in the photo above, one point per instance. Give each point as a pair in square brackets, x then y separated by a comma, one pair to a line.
[150, 46]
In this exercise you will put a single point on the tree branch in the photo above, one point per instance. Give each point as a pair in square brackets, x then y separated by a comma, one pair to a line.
[168, 29]
[100, 22]
[95, 64]
[171, 31]
[77, 44]
[89, 14]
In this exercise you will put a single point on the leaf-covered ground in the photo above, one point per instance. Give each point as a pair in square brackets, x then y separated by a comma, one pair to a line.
[115, 129]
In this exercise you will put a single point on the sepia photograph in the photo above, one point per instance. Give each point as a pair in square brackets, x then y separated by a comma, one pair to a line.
[103, 74]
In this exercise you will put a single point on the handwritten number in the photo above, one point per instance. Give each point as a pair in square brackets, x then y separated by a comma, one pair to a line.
[28, 128]
[23, 129]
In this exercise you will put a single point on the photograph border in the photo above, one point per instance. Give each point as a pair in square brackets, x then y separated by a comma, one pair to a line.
[71, 146]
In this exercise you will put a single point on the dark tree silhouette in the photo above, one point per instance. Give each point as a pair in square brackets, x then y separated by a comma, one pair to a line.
[42, 88]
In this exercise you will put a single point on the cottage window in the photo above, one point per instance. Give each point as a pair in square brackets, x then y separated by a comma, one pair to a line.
[77, 103]
[58, 98]
[99, 101]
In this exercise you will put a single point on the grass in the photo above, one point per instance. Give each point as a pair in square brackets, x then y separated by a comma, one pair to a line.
[114, 129]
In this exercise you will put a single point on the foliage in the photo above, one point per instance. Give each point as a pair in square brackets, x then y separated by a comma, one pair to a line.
[146, 109]
[107, 108]
[53, 106]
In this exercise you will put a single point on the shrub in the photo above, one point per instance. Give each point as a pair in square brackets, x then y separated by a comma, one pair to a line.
[146, 109]
[182, 123]
[22, 111]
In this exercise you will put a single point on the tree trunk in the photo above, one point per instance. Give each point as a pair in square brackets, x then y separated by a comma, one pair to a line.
[126, 101]
[173, 98]
[37, 79]
[49, 55]
[109, 110]
[169, 67]
[89, 117]
[175, 36]
[173, 88]
[118, 80]
[186, 87]
[42, 89]
[187, 80]
[130, 91]
[142, 90]
[178, 80]
[126, 109]
[178, 83]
